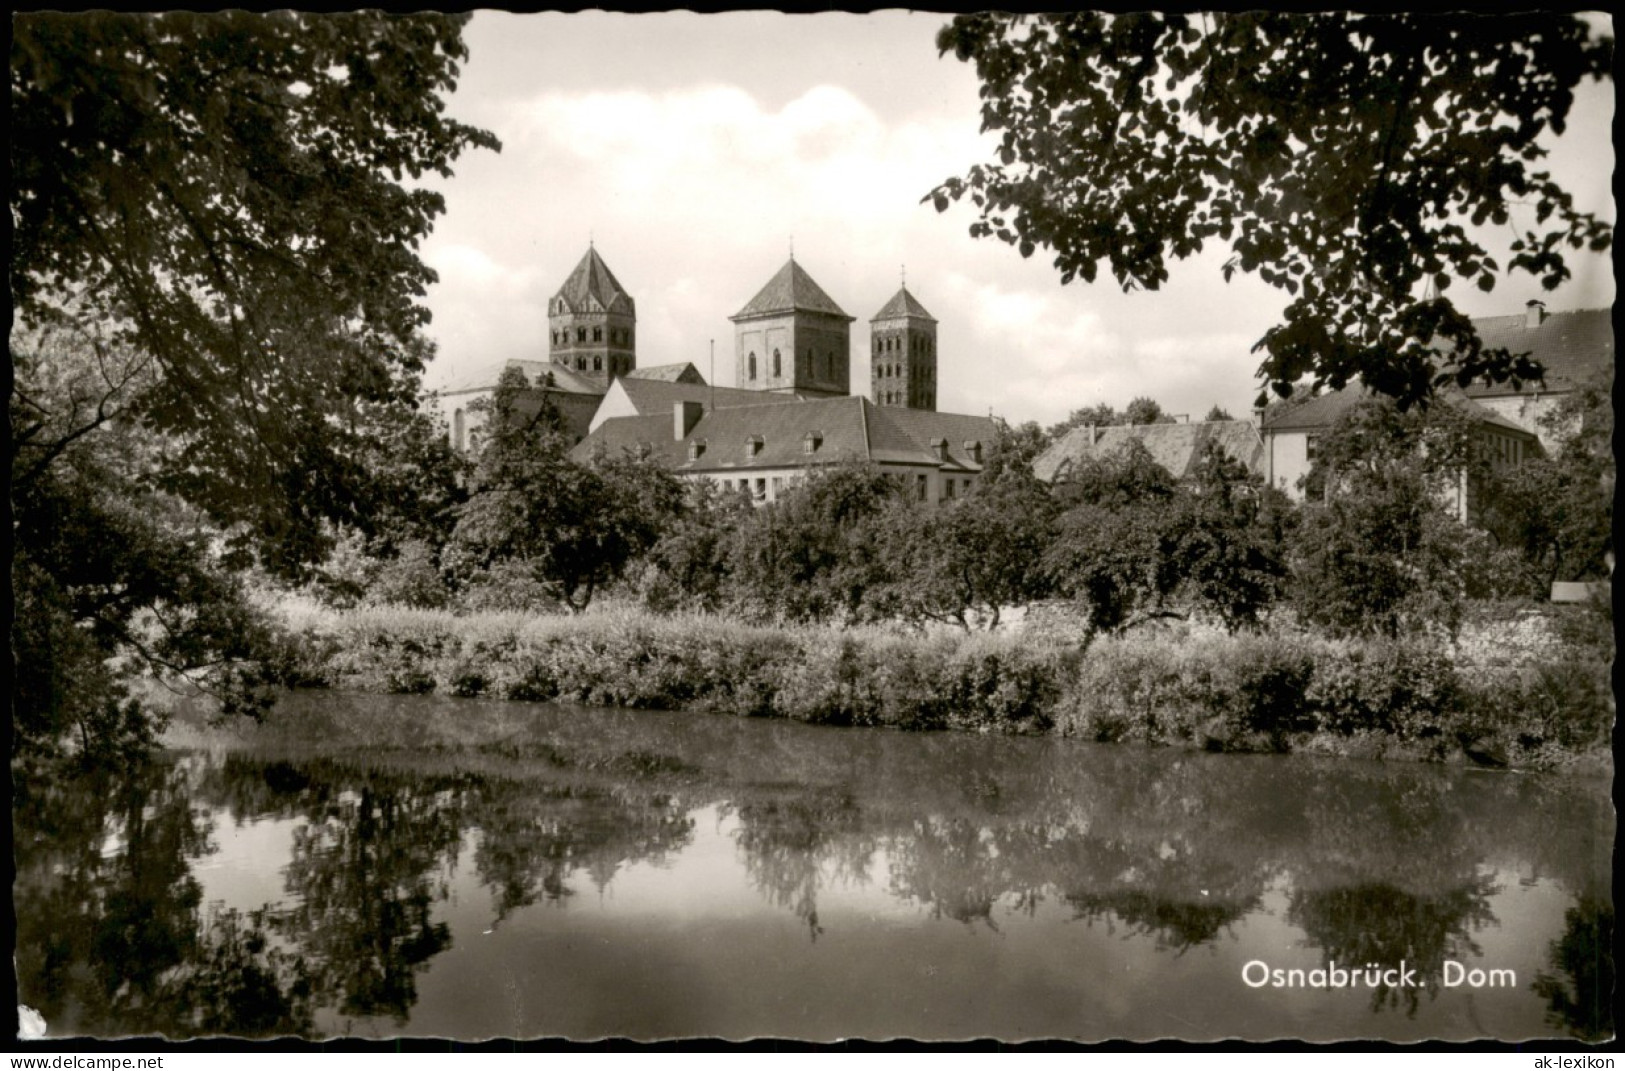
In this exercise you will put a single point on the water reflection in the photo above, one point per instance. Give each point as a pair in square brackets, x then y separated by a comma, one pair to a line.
[111, 933]
[1034, 845]
[1579, 984]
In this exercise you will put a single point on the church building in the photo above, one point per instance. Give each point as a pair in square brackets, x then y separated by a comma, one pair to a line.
[792, 338]
[592, 345]
[792, 408]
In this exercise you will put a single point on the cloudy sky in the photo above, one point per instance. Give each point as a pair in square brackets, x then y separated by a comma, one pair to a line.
[692, 150]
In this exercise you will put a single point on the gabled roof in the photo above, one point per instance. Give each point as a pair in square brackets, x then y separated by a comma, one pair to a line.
[1573, 347]
[535, 371]
[1176, 447]
[902, 305]
[681, 372]
[657, 395]
[849, 428]
[593, 287]
[1328, 409]
[791, 290]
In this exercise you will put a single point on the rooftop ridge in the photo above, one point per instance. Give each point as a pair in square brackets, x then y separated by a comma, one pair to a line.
[790, 290]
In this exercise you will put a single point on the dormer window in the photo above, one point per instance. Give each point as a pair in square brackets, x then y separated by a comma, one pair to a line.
[812, 441]
[974, 449]
[939, 447]
[696, 449]
[753, 446]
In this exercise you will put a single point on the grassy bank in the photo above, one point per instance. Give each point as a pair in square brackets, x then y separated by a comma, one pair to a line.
[1287, 692]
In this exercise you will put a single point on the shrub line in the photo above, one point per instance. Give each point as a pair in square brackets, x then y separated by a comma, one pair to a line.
[1277, 692]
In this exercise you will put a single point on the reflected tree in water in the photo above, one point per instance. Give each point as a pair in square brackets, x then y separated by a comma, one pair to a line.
[366, 873]
[534, 837]
[959, 867]
[1381, 924]
[112, 939]
[1173, 923]
[1579, 987]
[788, 841]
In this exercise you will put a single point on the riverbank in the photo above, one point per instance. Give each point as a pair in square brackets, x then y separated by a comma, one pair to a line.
[1542, 705]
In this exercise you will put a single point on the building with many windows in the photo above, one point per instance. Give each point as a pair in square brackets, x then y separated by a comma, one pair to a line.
[763, 449]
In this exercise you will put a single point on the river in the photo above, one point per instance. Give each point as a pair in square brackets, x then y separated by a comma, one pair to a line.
[431, 867]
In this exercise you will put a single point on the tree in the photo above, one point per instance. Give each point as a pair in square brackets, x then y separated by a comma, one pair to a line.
[1218, 412]
[963, 561]
[1114, 545]
[217, 292]
[1339, 155]
[688, 567]
[533, 513]
[815, 553]
[111, 576]
[223, 195]
[1558, 511]
[1143, 410]
[1381, 554]
[1230, 546]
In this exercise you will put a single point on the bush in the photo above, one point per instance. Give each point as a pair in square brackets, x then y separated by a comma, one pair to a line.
[1271, 692]
[1406, 689]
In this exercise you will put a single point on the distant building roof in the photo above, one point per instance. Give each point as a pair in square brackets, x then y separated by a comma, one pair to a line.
[1176, 447]
[593, 287]
[657, 395]
[903, 305]
[681, 372]
[535, 371]
[1328, 409]
[1573, 346]
[791, 290]
[848, 428]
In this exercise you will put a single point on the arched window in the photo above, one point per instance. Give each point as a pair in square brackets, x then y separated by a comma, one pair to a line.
[597, 363]
[581, 334]
[777, 369]
[598, 334]
[750, 367]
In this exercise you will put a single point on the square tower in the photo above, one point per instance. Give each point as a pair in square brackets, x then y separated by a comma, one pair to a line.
[792, 337]
[903, 354]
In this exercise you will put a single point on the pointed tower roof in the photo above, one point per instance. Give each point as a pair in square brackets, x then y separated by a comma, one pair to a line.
[791, 290]
[903, 305]
[592, 285]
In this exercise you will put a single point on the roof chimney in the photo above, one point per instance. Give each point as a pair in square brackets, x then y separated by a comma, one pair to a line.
[684, 415]
[1534, 313]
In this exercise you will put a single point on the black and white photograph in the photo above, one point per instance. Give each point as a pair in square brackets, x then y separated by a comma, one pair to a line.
[1082, 528]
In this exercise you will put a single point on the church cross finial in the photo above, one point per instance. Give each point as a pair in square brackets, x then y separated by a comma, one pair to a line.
[902, 274]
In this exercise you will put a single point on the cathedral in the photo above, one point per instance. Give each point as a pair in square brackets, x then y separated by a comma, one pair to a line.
[792, 367]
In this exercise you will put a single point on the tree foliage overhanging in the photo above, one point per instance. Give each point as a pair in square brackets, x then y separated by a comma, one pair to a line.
[217, 293]
[233, 196]
[1341, 157]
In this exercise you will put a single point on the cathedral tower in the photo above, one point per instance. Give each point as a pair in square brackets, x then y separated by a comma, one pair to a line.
[792, 337]
[903, 354]
[593, 323]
